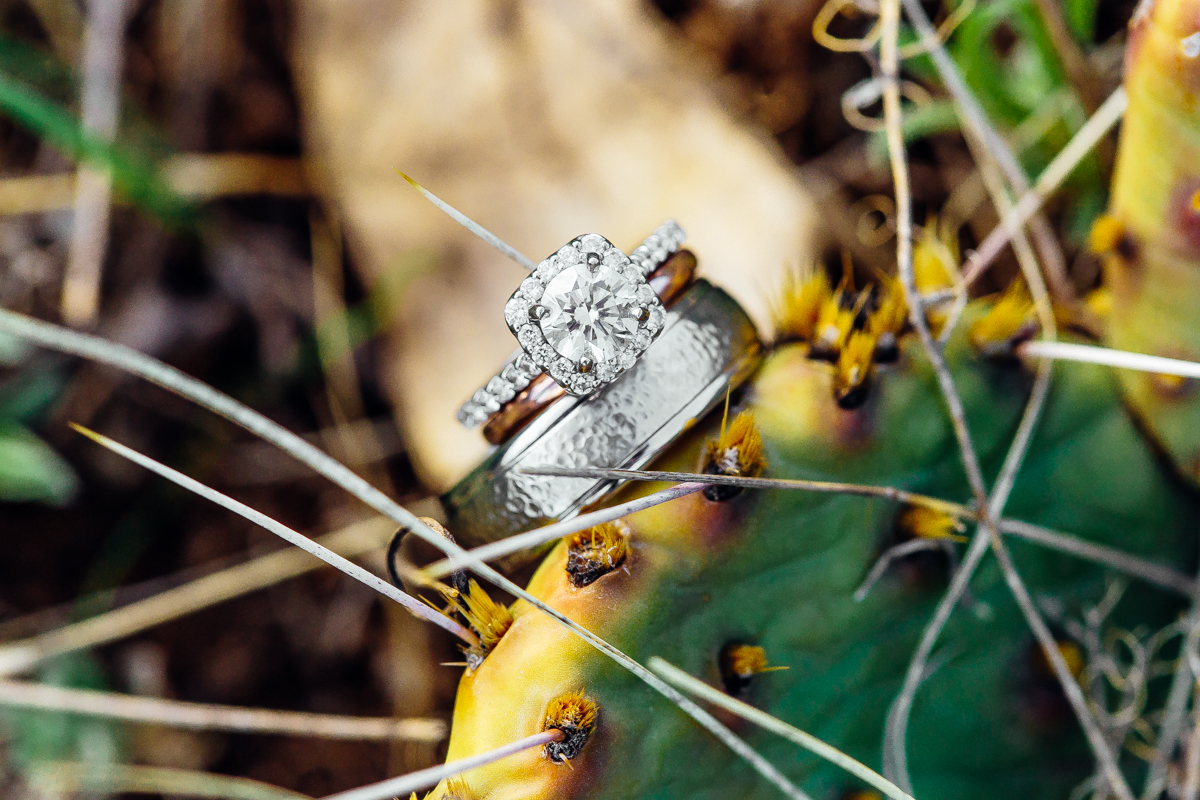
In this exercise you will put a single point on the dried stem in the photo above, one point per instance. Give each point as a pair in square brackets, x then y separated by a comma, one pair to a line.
[891, 554]
[775, 725]
[102, 60]
[258, 573]
[204, 716]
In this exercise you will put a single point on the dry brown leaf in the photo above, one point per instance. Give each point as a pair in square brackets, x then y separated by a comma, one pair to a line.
[542, 120]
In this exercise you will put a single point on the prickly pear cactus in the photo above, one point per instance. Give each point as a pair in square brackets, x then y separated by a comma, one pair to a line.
[725, 583]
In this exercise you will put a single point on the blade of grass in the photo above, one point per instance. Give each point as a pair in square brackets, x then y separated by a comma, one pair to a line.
[206, 716]
[416, 607]
[699, 688]
[402, 785]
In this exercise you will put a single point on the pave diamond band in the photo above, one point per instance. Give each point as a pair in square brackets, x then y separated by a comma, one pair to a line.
[584, 316]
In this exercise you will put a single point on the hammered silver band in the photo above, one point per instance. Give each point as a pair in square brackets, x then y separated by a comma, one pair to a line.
[707, 345]
[520, 368]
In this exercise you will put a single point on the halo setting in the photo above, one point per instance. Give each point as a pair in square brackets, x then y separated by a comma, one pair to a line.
[585, 314]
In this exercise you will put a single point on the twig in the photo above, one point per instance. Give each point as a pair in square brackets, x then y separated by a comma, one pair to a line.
[473, 226]
[68, 777]
[102, 59]
[558, 530]
[204, 716]
[258, 573]
[700, 689]
[1122, 359]
[153, 370]
[1110, 556]
[416, 607]
[1097, 126]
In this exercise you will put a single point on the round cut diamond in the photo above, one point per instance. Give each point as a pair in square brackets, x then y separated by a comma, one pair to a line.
[591, 311]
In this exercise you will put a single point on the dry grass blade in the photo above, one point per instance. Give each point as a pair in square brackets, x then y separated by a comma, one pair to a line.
[258, 573]
[66, 777]
[793, 734]
[559, 530]
[885, 560]
[152, 369]
[474, 227]
[1051, 177]
[205, 716]
[416, 607]
[1087, 354]
[404, 784]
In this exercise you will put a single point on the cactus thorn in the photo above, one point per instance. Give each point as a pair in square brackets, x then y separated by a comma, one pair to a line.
[737, 451]
[596, 552]
[574, 714]
[739, 663]
[855, 370]
[490, 620]
[1009, 323]
[805, 293]
[922, 522]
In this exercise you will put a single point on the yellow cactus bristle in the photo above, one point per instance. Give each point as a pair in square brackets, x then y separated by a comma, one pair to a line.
[804, 295]
[927, 523]
[1009, 321]
[1071, 653]
[852, 378]
[834, 323]
[575, 715]
[935, 264]
[1105, 234]
[737, 451]
[490, 620]
[457, 789]
[595, 552]
[1195, 202]
[739, 663]
[891, 313]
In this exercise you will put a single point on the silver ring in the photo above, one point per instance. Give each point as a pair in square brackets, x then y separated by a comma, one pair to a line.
[708, 345]
[584, 316]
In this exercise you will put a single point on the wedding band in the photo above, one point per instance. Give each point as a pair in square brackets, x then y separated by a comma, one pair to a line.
[708, 346]
[584, 316]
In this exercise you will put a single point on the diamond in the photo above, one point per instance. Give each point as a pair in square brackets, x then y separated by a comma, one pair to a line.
[501, 389]
[531, 287]
[592, 312]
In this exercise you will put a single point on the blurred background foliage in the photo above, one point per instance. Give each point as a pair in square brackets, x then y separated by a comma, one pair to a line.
[250, 241]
